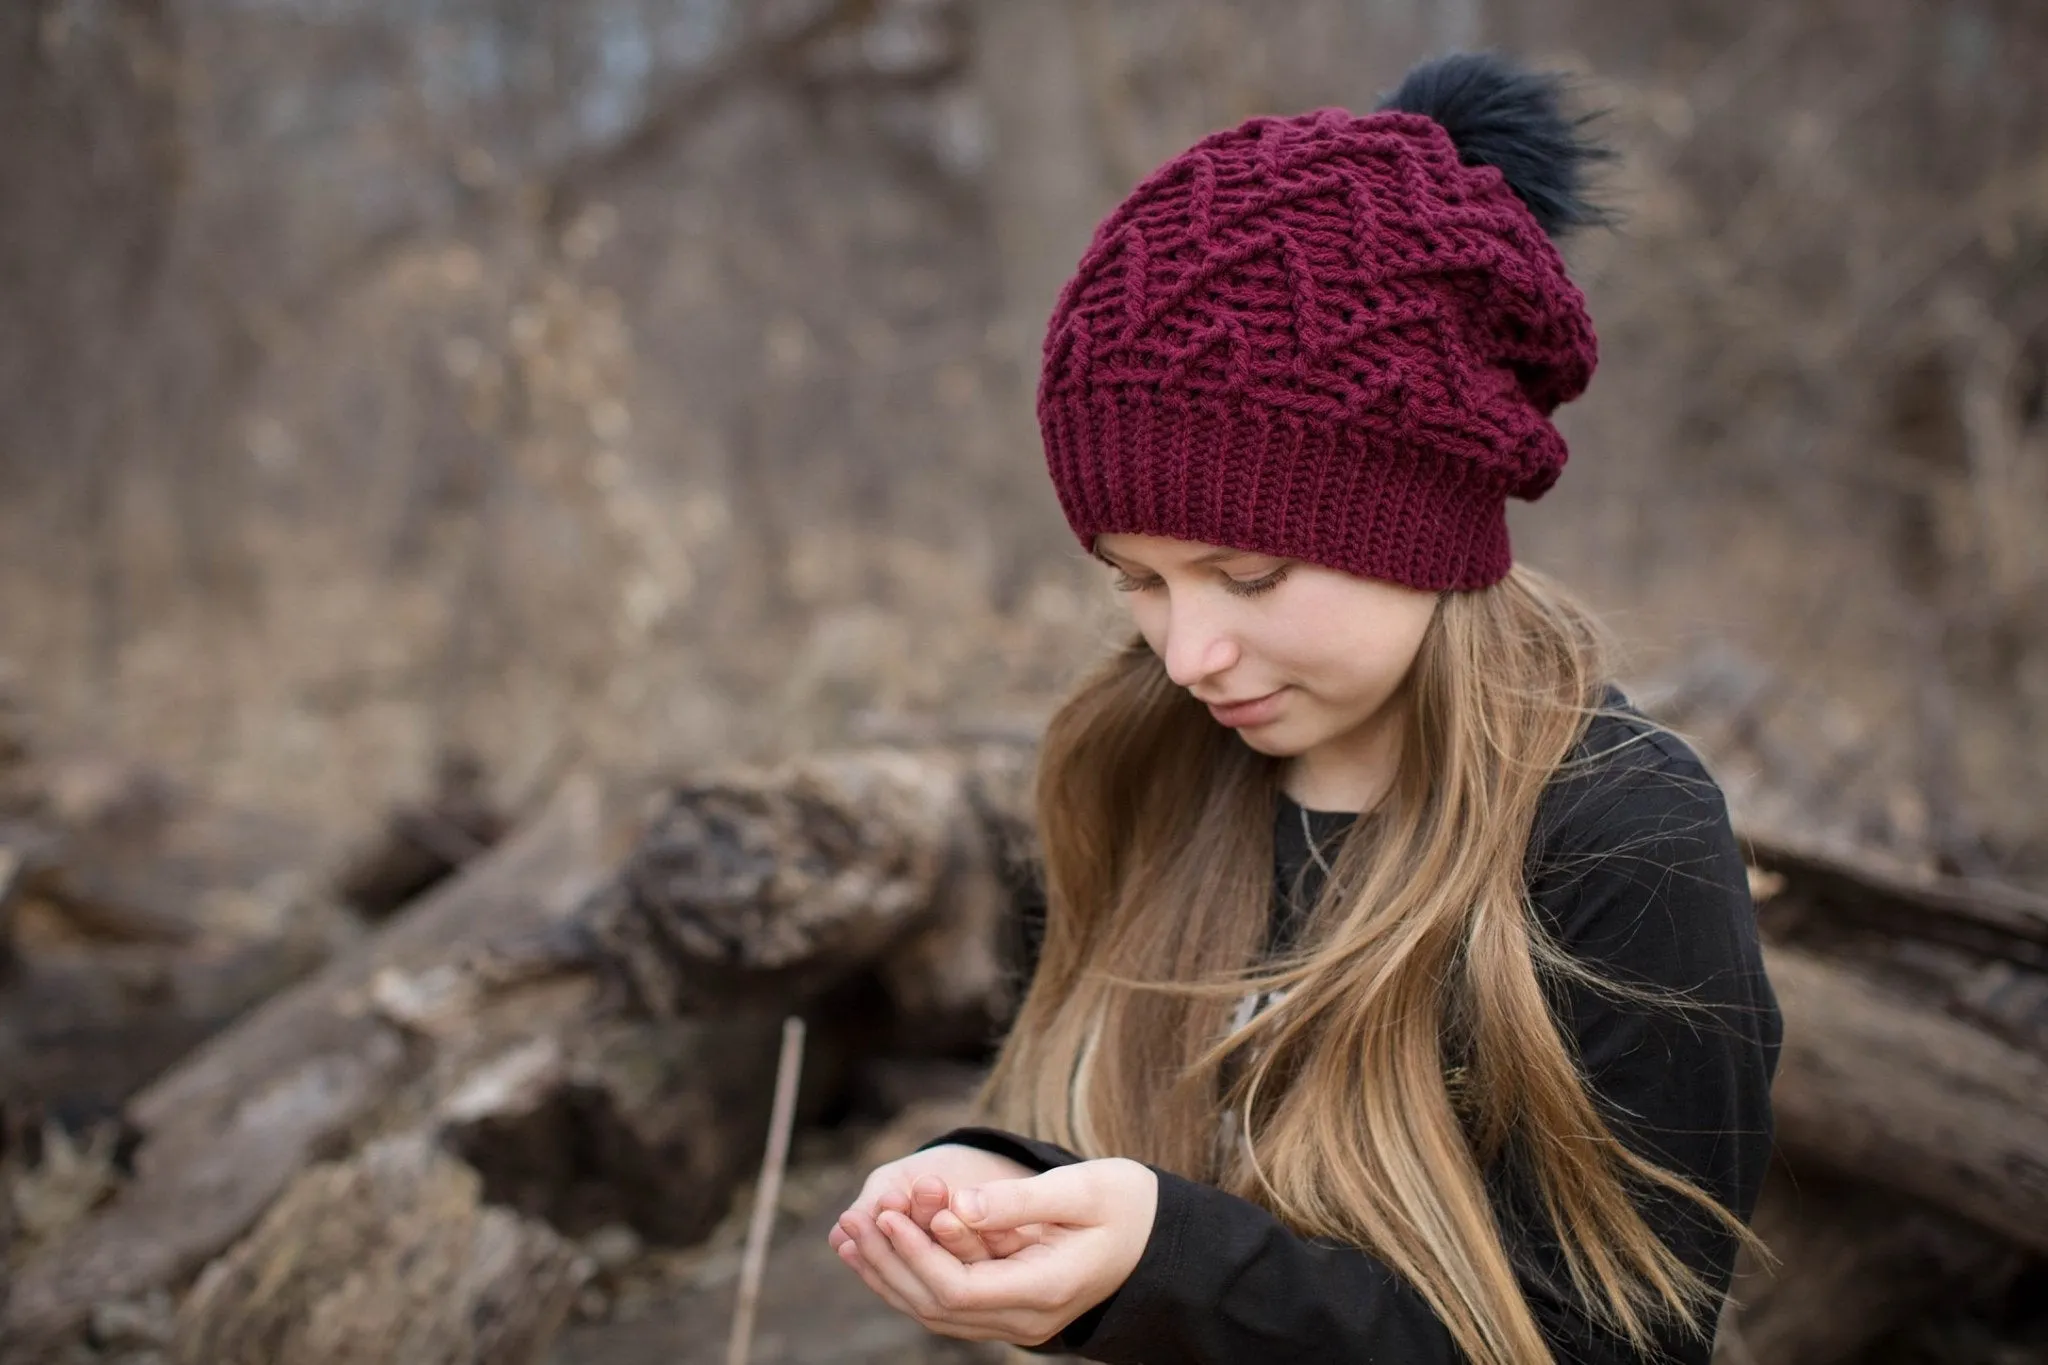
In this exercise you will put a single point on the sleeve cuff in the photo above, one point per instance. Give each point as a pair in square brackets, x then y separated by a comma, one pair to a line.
[1114, 1330]
[1039, 1156]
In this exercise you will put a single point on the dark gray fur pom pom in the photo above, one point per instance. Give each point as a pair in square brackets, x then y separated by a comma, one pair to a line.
[1502, 115]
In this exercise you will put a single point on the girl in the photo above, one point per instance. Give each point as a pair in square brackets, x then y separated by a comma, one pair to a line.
[1396, 994]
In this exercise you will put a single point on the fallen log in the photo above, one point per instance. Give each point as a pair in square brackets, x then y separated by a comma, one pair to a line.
[295, 1080]
[391, 1255]
[777, 885]
[1916, 1033]
[1865, 890]
[644, 1123]
[1854, 1263]
[478, 1016]
[135, 921]
[119, 853]
[422, 843]
[81, 1031]
[1881, 1088]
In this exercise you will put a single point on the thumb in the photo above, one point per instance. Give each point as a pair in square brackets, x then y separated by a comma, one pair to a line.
[1064, 1194]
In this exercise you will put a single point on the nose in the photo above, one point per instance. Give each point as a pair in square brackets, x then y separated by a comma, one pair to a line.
[1196, 646]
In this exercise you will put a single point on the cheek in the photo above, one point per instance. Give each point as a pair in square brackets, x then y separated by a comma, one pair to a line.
[1363, 665]
[1149, 616]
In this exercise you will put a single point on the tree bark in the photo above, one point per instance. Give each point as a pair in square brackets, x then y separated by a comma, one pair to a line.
[1853, 1263]
[389, 1256]
[224, 1133]
[1877, 1086]
[779, 884]
[1862, 890]
[480, 1021]
[588, 1020]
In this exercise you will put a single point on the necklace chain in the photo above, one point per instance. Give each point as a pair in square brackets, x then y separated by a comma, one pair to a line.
[1307, 833]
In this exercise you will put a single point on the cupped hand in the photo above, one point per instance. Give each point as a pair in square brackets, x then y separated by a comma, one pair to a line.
[920, 1186]
[1087, 1228]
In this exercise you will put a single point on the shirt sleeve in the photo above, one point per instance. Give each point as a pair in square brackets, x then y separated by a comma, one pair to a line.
[1642, 879]
[1222, 1280]
[1636, 872]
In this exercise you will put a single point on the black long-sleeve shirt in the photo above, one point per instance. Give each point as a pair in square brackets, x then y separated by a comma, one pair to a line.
[1634, 869]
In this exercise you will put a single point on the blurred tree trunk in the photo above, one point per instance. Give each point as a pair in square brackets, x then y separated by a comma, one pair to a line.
[1046, 185]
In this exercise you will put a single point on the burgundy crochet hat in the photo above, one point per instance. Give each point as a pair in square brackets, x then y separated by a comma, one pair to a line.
[1333, 338]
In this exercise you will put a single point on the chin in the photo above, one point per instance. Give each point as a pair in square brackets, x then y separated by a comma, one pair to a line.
[1272, 745]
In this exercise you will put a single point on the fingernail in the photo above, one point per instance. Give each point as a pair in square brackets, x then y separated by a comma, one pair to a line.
[968, 1205]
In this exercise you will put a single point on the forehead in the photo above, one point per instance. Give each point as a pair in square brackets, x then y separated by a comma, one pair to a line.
[1163, 551]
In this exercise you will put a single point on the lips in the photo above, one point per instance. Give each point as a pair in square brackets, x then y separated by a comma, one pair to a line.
[1251, 711]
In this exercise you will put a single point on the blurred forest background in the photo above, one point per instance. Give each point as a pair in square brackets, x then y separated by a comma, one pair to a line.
[409, 392]
[652, 377]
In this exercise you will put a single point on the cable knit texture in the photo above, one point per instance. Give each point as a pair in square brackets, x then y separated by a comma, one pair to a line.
[1319, 337]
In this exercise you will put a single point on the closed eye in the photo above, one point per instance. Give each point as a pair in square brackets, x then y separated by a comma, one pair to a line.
[1237, 587]
[1252, 587]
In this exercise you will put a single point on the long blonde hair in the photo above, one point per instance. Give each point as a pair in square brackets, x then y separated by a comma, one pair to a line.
[1413, 1046]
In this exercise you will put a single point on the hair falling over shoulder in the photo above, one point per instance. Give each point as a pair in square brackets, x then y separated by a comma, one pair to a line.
[1421, 962]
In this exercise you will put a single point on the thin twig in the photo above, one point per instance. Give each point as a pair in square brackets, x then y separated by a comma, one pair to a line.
[769, 1192]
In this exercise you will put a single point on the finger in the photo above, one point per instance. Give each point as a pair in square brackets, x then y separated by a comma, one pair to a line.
[981, 1295]
[995, 1290]
[1064, 1194]
[950, 1325]
[971, 1303]
[849, 1253]
[1009, 1241]
[927, 1196]
[882, 1258]
[955, 1236]
[879, 1186]
[939, 1275]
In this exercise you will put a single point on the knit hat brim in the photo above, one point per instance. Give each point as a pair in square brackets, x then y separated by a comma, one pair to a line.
[1252, 477]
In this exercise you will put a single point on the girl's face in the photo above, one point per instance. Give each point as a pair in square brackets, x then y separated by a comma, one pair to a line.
[1299, 659]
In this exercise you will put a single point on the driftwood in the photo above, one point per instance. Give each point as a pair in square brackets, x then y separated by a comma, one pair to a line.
[1864, 890]
[1854, 1263]
[225, 1132]
[1905, 1097]
[1909, 1100]
[82, 1031]
[136, 919]
[589, 1028]
[719, 902]
[579, 1029]
[389, 1256]
[782, 883]
[1916, 1048]
[420, 844]
[646, 1123]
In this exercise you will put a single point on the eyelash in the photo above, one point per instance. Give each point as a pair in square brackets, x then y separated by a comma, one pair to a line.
[1235, 587]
